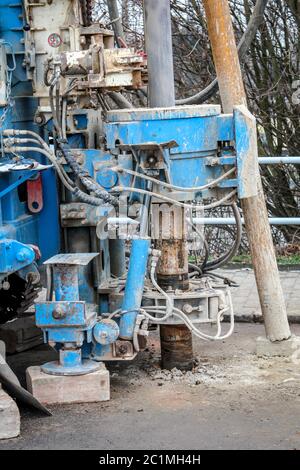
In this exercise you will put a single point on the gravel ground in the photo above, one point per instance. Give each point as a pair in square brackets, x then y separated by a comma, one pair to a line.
[231, 400]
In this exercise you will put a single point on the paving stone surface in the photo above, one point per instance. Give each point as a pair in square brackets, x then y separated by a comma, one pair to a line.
[245, 297]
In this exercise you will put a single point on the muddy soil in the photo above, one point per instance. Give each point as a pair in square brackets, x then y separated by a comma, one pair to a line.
[231, 400]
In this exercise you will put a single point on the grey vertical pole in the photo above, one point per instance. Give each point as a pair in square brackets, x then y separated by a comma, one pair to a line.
[176, 342]
[158, 39]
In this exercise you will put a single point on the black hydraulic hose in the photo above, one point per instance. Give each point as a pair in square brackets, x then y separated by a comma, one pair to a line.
[83, 197]
[210, 265]
[83, 175]
[53, 110]
[85, 178]
[120, 100]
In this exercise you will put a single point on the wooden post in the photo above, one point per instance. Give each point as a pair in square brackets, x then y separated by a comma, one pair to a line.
[232, 92]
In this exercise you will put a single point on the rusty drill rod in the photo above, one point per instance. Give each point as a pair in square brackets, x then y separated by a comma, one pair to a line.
[232, 93]
[176, 342]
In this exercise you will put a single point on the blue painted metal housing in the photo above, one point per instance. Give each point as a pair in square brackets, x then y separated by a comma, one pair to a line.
[202, 134]
[14, 256]
[201, 151]
[16, 221]
[68, 321]
[196, 129]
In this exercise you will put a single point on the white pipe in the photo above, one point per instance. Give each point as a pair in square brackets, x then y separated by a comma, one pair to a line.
[232, 221]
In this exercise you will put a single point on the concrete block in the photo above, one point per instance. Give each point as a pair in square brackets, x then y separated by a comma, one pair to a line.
[20, 335]
[286, 348]
[9, 417]
[53, 389]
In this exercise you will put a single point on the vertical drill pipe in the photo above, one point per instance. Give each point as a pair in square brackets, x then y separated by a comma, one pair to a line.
[158, 39]
[177, 346]
[232, 92]
[134, 286]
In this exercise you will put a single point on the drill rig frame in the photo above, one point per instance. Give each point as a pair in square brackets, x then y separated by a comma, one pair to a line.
[71, 165]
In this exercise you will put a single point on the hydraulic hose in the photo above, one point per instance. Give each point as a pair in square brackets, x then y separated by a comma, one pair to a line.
[84, 176]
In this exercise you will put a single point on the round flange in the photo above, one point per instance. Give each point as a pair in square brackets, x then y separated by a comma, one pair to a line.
[55, 368]
[54, 40]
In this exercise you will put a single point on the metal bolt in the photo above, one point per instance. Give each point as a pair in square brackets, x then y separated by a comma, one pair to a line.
[187, 308]
[22, 255]
[39, 119]
[6, 285]
[123, 349]
[59, 313]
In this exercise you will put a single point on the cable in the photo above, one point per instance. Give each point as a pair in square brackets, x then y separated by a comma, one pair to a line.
[226, 280]
[64, 177]
[38, 141]
[169, 301]
[84, 176]
[173, 201]
[50, 157]
[120, 100]
[64, 118]
[178, 313]
[53, 110]
[234, 249]
[172, 186]
[205, 244]
[171, 310]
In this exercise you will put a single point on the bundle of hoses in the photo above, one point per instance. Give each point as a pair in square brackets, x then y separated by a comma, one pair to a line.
[100, 196]
[86, 180]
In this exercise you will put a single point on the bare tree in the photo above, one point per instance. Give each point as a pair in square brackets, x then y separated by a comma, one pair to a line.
[270, 68]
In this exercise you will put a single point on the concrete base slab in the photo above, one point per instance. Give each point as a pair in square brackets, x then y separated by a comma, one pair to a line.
[286, 348]
[54, 389]
[20, 335]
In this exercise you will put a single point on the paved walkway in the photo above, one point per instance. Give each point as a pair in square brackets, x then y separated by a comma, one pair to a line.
[245, 297]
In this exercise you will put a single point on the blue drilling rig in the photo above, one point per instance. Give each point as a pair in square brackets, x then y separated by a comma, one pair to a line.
[84, 184]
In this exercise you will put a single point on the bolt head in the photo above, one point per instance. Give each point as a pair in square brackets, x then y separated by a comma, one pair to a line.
[59, 313]
[187, 308]
[22, 255]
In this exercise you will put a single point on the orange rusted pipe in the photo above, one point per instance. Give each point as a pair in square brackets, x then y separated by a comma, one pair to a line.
[225, 54]
[232, 93]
